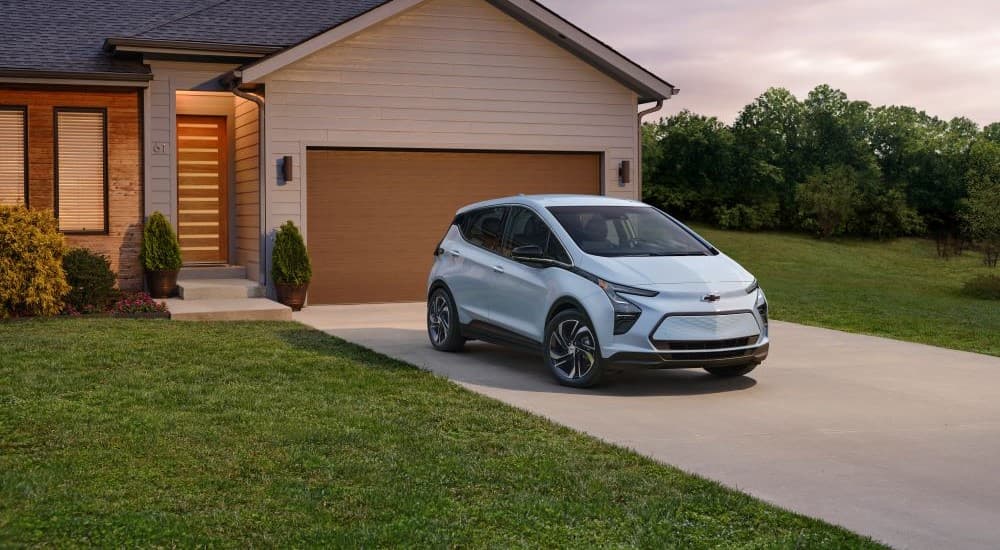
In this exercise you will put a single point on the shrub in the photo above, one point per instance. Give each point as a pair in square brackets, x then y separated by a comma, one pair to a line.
[91, 281]
[32, 281]
[160, 249]
[290, 261]
[137, 303]
[984, 287]
[750, 217]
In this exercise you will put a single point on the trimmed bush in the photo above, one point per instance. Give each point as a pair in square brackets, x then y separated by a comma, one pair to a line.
[290, 261]
[32, 281]
[160, 249]
[983, 287]
[91, 281]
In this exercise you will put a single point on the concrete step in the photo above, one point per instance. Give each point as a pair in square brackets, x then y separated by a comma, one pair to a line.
[212, 272]
[244, 309]
[218, 289]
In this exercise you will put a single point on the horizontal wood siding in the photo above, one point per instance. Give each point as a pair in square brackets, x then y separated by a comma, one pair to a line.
[247, 182]
[121, 244]
[448, 74]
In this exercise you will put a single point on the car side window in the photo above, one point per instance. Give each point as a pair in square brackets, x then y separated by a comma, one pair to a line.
[526, 228]
[484, 227]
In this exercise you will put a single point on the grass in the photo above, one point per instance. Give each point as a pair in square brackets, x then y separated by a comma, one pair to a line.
[897, 289]
[151, 433]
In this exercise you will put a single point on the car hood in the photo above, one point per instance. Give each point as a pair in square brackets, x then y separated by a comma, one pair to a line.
[654, 271]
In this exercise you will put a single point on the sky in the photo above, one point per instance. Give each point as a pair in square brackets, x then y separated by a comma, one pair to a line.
[942, 57]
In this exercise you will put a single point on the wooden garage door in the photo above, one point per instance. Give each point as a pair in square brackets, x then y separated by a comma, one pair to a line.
[375, 217]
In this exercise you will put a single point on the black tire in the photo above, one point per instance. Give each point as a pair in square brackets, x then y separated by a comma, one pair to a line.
[570, 346]
[442, 322]
[731, 372]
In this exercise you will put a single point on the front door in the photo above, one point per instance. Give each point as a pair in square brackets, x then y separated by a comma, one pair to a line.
[202, 189]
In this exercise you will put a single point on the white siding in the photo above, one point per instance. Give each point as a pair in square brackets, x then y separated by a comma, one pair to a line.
[446, 74]
[247, 186]
[169, 77]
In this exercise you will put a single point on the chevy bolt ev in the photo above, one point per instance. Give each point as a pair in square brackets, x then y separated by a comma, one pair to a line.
[593, 283]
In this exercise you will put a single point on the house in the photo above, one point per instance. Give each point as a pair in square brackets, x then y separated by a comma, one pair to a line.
[366, 122]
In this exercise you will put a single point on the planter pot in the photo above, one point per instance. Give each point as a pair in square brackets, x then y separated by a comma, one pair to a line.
[293, 296]
[162, 284]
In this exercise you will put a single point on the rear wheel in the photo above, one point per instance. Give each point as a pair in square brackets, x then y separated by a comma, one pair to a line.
[572, 352]
[442, 322]
[731, 372]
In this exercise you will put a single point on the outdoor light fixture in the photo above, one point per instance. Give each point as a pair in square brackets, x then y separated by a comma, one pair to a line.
[286, 168]
[625, 173]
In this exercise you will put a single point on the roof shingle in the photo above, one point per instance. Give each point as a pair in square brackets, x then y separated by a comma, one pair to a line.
[67, 36]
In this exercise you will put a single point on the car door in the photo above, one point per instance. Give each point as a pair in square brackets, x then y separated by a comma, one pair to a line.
[520, 305]
[472, 260]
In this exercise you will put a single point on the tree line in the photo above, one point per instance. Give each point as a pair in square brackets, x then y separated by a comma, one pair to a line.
[831, 166]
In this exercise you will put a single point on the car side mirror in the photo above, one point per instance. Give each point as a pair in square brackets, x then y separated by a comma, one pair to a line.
[530, 253]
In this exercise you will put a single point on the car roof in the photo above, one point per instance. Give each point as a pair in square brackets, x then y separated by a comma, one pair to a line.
[545, 201]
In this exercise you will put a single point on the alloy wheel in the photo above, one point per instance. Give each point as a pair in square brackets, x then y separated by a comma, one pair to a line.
[572, 349]
[439, 319]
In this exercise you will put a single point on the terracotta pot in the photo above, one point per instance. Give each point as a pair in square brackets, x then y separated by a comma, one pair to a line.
[293, 296]
[162, 284]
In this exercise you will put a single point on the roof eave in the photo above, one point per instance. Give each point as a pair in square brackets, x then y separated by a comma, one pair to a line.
[186, 47]
[75, 75]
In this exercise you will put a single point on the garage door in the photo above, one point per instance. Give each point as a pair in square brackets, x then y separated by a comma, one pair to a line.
[375, 217]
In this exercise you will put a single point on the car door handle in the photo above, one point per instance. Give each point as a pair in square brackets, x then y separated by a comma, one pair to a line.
[498, 268]
[455, 253]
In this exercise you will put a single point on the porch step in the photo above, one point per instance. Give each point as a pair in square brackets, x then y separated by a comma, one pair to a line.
[212, 272]
[243, 309]
[218, 289]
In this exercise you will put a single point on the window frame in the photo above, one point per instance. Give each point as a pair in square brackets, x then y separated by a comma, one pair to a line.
[55, 164]
[503, 226]
[552, 235]
[24, 114]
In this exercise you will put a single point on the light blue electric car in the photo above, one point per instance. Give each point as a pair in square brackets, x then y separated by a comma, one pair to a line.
[591, 283]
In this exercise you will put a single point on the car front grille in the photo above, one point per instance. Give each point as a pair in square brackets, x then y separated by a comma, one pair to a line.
[707, 355]
[707, 344]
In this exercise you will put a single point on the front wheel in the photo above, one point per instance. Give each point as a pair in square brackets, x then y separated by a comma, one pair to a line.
[442, 322]
[572, 351]
[731, 372]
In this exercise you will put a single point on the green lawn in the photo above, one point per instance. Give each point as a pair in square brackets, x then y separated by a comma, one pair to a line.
[138, 433]
[898, 289]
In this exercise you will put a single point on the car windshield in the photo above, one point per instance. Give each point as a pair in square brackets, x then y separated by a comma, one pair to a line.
[627, 231]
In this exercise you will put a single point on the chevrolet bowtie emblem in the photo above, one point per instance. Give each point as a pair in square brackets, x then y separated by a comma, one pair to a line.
[711, 298]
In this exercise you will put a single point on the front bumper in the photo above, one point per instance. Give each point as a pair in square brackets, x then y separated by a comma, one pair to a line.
[716, 358]
[679, 330]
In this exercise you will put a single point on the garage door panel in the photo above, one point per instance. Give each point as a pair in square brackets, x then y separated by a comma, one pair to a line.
[375, 217]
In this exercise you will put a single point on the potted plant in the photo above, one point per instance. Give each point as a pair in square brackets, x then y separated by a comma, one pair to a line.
[291, 270]
[160, 256]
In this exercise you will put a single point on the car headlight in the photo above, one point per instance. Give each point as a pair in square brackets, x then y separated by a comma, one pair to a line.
[761, 306]
[626, 312]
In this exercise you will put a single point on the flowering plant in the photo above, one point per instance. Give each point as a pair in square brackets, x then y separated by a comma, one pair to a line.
[137, 302]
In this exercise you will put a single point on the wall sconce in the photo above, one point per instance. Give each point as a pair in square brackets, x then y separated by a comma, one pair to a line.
[286, 168]
[624, 173]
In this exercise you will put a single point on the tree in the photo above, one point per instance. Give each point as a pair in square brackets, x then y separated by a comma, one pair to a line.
[992, 132]
[826, 200]
[768, 150]
[981, 211]
[692, 165]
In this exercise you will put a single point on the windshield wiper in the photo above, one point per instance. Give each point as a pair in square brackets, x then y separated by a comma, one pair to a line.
[676, 254]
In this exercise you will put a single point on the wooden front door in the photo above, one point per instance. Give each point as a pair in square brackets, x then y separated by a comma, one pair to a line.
[202, 189]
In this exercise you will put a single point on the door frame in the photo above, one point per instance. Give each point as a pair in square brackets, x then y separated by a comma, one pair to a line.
[223, 192]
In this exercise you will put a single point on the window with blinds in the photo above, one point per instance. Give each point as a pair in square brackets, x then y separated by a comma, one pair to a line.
[13, 166]
[81, 170]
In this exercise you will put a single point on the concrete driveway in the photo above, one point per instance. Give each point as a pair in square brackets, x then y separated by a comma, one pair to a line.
[893, 440]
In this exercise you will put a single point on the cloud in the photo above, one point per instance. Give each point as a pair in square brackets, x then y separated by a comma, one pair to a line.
[940, 57]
